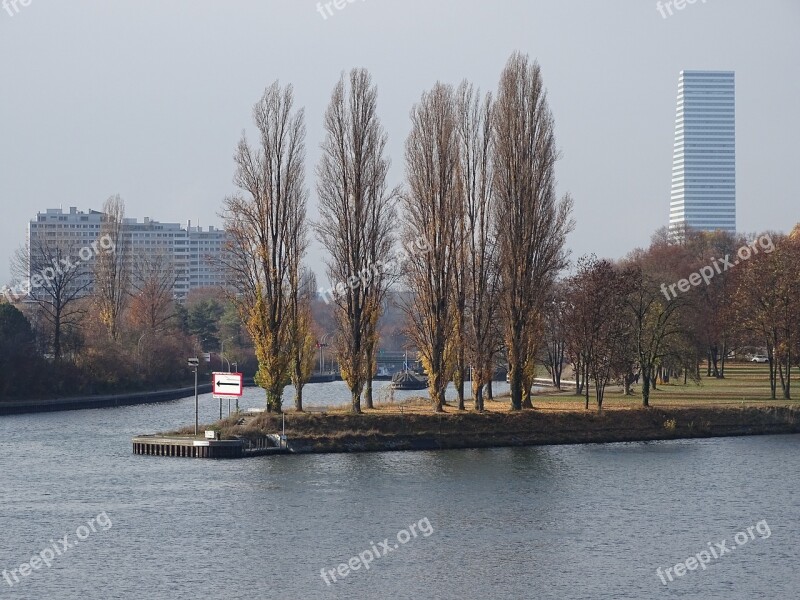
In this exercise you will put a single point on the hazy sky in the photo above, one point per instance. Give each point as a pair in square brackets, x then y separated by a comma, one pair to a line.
[147, 99]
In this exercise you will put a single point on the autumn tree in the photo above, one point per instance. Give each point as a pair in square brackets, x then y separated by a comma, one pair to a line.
[555, 333]
[532, 224]
[152, 283]
[303, 340]
[112, 269]
[607, 328]
[656, 318]
[478, 229]
[356, 225]
[261, 223]
[711, 322]
[431, 211]
[768, 302]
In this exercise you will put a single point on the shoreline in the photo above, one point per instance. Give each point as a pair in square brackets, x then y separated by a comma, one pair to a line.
[20, 407]
[320, 433]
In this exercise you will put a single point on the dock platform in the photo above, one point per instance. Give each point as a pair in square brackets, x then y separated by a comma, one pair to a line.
[192, 447]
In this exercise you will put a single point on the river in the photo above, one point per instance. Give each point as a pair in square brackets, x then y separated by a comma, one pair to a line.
[593, 521]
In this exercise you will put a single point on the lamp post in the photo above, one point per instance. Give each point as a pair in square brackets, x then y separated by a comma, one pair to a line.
[194, 363]
[222, 355]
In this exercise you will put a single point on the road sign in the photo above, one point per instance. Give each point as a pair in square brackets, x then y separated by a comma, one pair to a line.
[227, 385]
[193, 362]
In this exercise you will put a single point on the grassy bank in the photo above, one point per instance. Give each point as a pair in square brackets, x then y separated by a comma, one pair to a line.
[737, 405]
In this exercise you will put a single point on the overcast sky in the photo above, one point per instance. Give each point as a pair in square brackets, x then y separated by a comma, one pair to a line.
[147, 99]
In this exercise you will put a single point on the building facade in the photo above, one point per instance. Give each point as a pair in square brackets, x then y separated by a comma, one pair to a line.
[193, 253]
[704, 155]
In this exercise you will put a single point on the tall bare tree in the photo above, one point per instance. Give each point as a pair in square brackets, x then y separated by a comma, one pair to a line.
[475, 168]
[112, 269]
[432, 208]
[357, 222]
[262, 223]
[302, 290]
[531, 223]
[55, 279]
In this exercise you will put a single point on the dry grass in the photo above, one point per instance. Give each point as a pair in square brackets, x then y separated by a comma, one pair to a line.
[745, 385]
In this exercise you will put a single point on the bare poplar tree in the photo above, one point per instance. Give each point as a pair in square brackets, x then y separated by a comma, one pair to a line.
[531, 223]
[302, 290]
[111, 269]
[432, 208]
[475, 125]
[263, 224]
[356, 225]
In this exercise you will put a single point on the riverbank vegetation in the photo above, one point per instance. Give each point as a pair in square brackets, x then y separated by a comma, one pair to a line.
[484, 279]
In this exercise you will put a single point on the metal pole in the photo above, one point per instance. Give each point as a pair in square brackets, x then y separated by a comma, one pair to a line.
[196, 405]
[220, 409]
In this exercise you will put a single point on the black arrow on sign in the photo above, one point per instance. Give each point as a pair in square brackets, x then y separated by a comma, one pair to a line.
[221, 383]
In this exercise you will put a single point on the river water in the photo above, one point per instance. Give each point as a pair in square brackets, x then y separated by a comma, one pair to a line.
[590, 522]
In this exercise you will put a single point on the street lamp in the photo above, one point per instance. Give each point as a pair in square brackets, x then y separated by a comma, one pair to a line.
[222, 355]
[193, 364]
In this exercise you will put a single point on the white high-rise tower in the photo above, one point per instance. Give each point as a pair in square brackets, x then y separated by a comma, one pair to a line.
[704, 155]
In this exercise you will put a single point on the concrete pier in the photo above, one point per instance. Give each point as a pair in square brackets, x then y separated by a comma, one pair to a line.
[190, 447]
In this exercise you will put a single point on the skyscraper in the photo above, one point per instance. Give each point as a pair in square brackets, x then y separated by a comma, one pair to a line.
[704, 154]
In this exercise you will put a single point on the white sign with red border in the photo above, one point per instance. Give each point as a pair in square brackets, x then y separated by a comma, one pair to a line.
[227, 385]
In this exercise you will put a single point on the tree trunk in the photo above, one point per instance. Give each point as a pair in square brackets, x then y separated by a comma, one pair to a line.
[586, 386]
[355, 406]
[458, 381]
[645, 389]
[368, 382]
[298, 399]
[274, 401]
[515, 379]
[298, 386]
[527, 396]
[477, 392]
[57, 337]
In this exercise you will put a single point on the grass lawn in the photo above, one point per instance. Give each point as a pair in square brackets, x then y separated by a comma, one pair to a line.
[745, 384]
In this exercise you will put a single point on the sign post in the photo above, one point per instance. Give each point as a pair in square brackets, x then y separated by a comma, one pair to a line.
[226, 386]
